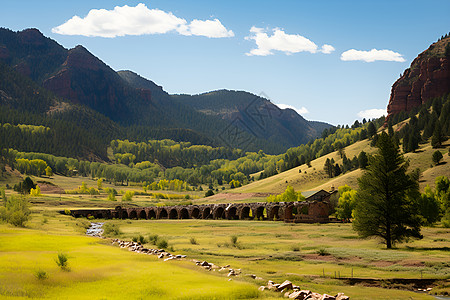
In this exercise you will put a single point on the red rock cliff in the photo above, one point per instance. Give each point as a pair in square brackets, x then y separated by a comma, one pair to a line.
[428, 77]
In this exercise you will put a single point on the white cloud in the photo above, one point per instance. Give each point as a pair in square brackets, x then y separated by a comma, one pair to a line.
[138, 20]
[208, 28]
[300, 111]
[281, 41]
[327, 49]
[372, 113]
[372, 55]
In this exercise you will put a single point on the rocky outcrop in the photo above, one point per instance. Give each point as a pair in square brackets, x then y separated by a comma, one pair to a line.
[427, 78]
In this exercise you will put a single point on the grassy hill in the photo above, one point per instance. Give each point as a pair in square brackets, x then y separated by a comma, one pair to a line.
[306, 178]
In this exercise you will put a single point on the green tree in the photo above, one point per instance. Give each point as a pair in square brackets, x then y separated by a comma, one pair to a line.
[437, 157]
[48, 171]
[346, 202]
[438, 137]
[371, 130]
[100, 184]
[429, 206]
[363, 160]
[385, 205]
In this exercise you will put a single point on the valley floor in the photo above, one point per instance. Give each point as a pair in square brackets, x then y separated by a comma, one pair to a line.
[271, 250]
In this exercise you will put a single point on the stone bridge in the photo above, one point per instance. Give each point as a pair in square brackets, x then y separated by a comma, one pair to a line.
[305, 211]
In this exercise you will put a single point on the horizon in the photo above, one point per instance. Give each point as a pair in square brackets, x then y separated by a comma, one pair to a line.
[304, 56]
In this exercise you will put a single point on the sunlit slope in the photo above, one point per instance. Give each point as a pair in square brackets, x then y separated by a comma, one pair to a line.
[306, 178]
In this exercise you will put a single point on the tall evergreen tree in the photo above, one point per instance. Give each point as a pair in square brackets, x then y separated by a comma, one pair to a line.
[438, 137]
[371, 130]
[386, 205]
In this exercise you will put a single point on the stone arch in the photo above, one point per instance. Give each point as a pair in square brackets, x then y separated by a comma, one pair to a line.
[274, 213]
[142, 214]
[184, 214]
[232, 213]
[245, 213]
[173, 214]
[288, 212]
[151, 214]
[219, 213]
[124, 214]
[133, 214]
[163, 214]
[259, 213]
[206, 213]
[195, 214]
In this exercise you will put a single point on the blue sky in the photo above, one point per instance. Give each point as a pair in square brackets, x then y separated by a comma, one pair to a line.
[198, 46]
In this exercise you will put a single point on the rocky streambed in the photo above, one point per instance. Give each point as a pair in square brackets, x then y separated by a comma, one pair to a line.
[95, 229]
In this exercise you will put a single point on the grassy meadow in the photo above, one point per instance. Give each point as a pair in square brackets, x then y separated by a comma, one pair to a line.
[270, 250]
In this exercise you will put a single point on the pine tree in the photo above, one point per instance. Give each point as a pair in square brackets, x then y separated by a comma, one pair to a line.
[386, 206]
[371, 130]
[438, 137]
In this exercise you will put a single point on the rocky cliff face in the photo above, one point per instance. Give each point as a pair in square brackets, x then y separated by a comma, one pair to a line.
[427, 78]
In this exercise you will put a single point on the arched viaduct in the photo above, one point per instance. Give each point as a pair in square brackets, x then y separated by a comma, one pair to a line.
[306, 211]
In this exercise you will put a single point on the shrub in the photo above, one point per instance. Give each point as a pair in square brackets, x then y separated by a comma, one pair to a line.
[16, 211]
[128, 196]
[40, 274]
[141, 239]
[62, 260]
[323, 252]
[91, 217]
[193, 241]
[134, 239]
[234, 240]
[162, 244]
[111, 229]
[67, 211]
[437, 157]
[295, 248]
[153, 238]
[209, 193]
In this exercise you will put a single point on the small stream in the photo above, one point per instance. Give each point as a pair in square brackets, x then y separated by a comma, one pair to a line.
[95, 229]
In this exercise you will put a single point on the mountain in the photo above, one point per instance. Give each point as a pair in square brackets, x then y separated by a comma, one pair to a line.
[428, 77]
[141, 109]
[257, 115]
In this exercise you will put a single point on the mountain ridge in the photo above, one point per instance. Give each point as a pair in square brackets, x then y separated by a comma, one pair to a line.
[79, 77]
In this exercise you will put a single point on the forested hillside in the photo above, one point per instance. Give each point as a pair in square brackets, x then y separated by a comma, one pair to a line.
[137, 105]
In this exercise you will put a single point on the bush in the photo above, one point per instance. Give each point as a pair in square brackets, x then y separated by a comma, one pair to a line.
[111, 229]
[139, 239]
[67, 211]
[153, 238]
[16, 211]
[234, 240]
[437, 157]
[162, 244]
[209, 193]
[128, 196]
[40, 274]
[193, 241]
[295, 248]
[323, 252]
[62, 260]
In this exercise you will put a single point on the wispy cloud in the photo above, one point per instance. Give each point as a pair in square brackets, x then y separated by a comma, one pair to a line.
[283, 42]
[300, 111]
[138, 20]
[372, 113]
[372, 55]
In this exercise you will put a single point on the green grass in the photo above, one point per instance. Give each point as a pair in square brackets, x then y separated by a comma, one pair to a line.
[100, 271]
[271, 250]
